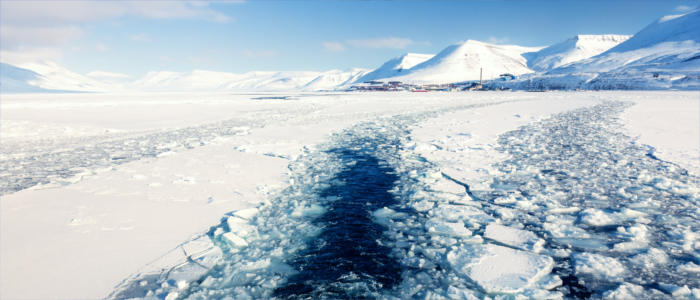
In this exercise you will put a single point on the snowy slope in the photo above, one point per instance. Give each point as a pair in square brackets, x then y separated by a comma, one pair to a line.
[49, 76]
[55, 77]
[17, 80]
[201, 80]
[395, 66]
[663, 55]
[462, 61]
[211, 80]
[334, 79]
[576, 48]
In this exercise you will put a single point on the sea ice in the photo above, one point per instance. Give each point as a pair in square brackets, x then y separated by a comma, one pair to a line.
[598, 266]
[499, 269]
[235, 240]
[519, 238]
[447, 228]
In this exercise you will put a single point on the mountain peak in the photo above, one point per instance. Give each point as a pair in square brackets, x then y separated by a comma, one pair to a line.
[464, 61]
[676, 28]
[395, 66]
[576, 48]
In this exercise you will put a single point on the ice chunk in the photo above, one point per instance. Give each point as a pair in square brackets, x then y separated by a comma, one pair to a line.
[598, 266]
[235, 240]
[499, 269]
[457, 293]
[514, 237]
[447, 228]
[638, 232]
[626, 291]
[172, 296]
[254, 265]
[308, 211]
[423, 205]
[247, 213]
[384, 215]
[468, 214]
[596, 217]
[550, 282]
[239, 226]
[630, 246]
[674, 290]
[691, 241]
[689, 267]
[564, 210]
[652, 258]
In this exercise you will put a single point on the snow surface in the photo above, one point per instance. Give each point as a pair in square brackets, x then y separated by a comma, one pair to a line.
[231, 181]
[655, 115]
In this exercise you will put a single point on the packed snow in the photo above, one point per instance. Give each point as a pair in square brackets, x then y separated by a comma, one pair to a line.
[454, 195]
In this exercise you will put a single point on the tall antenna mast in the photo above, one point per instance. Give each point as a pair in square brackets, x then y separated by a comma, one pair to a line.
[481, 72]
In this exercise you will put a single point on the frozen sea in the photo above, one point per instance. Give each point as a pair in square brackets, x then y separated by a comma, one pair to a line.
[481, 195]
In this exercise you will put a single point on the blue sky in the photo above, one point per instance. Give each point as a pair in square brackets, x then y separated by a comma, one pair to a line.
[134, 37]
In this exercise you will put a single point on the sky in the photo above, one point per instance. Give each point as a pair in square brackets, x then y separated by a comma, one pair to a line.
[127, 39]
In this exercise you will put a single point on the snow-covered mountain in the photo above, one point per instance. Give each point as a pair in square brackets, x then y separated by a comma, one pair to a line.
[335, 79]
[55, 77]
[211, 80]
[42, 77]
[579, 47]
[14, 79]
[251, 81]
[663, 55]
[50, 77]
[396, 66]
[463, 61]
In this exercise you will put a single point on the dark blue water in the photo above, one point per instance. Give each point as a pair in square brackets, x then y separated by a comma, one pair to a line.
[346, 260]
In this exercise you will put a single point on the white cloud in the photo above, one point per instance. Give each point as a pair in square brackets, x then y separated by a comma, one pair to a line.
[177, 10]
[24, 55]
[141, 37]
[107, 75]
[259, 53]
[37, 25]
[683, 8]
[387, 42]
[333, 46]
[13, 37]
[497, 40]
[33, 12]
